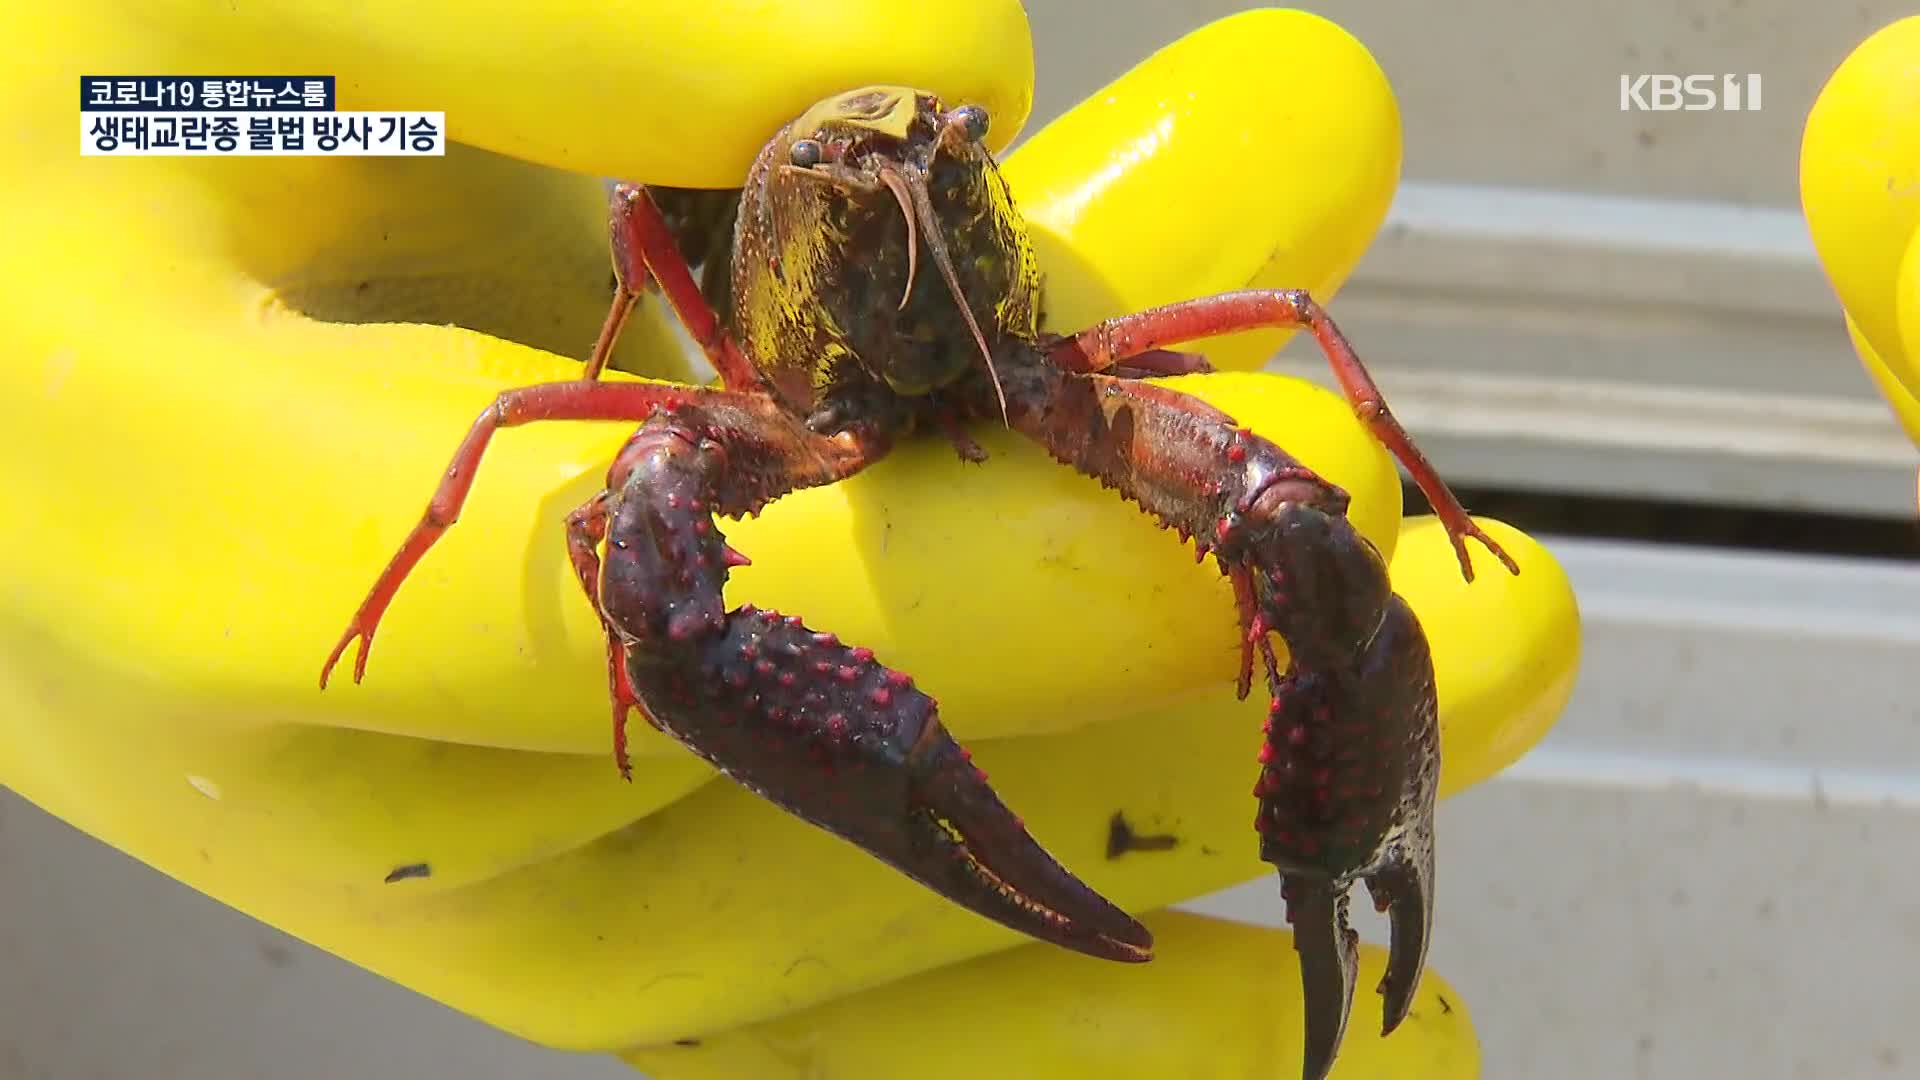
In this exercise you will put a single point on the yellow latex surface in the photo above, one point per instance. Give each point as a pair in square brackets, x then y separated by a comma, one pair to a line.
[229, 386]
[1860, 190]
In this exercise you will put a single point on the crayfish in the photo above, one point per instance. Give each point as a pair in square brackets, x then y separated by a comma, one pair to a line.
[830, 348]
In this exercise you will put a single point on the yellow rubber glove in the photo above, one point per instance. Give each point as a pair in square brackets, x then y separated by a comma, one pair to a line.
[231, 385]
[1860, 190]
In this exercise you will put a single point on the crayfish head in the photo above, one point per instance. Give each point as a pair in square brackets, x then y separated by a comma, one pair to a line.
[841, 212]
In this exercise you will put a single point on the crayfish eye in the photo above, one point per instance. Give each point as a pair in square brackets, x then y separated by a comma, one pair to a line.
[973, 121]
[807, 153]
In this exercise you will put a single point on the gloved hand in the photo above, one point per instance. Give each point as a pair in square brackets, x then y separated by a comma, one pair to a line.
[1860, 191]
[232, 383]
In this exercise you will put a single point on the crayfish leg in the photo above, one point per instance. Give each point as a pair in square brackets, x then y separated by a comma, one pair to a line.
[644, 248]
[1116, 341]
[579, 400]
[586, 528]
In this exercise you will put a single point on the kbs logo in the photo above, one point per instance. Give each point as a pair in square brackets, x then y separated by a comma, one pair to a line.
[1693, 93]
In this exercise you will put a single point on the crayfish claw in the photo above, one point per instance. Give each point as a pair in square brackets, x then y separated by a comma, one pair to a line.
[1403, 888]
[1330, 817]
[973, 850]
[1329, 964]
[825, 731]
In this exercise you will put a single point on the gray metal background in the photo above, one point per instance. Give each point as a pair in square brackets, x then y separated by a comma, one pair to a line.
[1707, 870]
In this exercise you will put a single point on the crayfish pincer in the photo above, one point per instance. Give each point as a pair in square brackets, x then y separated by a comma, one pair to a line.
[831, 348]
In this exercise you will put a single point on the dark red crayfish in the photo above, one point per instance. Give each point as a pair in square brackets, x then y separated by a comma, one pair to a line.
[830, 350]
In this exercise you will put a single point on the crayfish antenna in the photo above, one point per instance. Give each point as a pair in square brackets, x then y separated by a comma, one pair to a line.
[899, 188]
[916, 186]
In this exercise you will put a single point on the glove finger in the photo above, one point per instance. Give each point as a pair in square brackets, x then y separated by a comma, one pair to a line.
[1497, 699]
[1860, 188]
[1219, 1000]
[1906, 406]
[654, 92]
[1907, 310]
[1260, 151]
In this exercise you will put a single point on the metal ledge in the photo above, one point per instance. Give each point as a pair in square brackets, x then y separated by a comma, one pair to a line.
[1584, 344]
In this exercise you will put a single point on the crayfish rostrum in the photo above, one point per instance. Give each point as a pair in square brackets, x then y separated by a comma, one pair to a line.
[831, 345]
